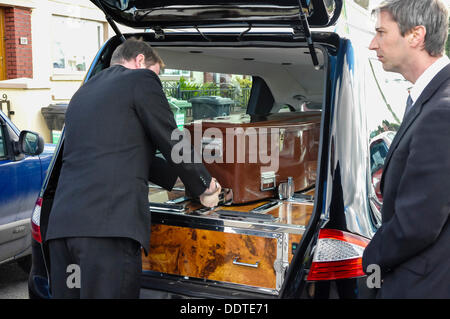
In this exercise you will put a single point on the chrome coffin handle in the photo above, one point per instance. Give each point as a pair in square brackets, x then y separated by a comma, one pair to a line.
[236, 262]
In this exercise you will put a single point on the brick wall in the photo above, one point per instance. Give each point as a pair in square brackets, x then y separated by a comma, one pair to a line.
[19, 60]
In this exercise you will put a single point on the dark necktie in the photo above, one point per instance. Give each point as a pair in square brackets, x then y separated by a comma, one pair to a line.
[409, 104]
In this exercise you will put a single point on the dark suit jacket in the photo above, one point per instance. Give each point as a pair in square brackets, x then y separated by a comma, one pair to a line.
[412, 246]
[114, 124]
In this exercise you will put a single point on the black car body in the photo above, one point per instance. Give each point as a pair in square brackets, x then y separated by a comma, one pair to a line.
[335, 74]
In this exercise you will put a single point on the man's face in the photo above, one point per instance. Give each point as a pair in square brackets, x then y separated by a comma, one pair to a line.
[391, 47]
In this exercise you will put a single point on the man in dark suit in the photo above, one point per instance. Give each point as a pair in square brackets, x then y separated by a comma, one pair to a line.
[100, 217]
[412, 245]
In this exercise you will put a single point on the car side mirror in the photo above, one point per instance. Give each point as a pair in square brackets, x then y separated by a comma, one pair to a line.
[30, 143]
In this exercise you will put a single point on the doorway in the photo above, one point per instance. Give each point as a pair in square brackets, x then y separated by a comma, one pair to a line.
[2, 45]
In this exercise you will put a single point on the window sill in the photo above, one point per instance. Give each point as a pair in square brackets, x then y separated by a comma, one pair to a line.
[67, 77]
[24, 83]
[20, 3]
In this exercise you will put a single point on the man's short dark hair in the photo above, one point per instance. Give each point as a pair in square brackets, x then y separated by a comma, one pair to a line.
[131, 48]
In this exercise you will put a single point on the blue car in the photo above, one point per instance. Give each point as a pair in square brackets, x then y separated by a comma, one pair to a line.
[24, 160]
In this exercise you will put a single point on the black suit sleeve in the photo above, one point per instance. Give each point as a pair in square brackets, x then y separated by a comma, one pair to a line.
[422, 203]
[156, 117]
[162, 173]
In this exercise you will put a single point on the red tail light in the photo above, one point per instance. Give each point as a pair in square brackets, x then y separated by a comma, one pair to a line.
[338, 255]
[36, 221]
[376, 182]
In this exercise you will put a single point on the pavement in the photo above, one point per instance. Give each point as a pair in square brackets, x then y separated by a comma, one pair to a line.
[13, 282]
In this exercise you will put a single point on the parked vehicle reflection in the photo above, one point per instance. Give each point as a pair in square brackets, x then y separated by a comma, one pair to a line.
[379, 147]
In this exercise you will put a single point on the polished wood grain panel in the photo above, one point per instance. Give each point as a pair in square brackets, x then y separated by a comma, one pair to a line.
[209, 255]
[287, 213]
[293, 213]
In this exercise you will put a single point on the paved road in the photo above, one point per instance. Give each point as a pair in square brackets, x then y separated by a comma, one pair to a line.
[13, 282]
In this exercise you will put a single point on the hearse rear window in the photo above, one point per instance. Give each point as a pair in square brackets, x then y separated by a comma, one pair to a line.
[199, 95]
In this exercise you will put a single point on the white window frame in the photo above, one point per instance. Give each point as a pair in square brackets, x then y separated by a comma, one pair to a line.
[87, 59]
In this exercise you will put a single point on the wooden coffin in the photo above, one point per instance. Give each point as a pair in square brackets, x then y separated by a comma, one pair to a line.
[253, 154]
[247, 255]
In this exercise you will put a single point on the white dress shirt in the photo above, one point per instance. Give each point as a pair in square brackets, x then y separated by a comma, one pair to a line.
[427, 76]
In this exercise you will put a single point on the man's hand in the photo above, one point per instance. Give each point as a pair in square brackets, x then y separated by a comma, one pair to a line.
[210, 197]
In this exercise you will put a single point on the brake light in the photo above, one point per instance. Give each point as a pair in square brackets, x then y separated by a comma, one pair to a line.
[36, 221]
[338, 255]
[376, 184]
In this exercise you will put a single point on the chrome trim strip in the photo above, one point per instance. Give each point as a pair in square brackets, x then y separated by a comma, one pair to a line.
[246, 227]
[267, 207]
[209, 282]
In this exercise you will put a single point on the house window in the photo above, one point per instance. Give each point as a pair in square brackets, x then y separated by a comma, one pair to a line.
[75, 43]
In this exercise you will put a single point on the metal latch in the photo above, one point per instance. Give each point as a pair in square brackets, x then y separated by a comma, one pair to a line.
[282, 130]
[159, 33]
[268, 181]
[286, 189]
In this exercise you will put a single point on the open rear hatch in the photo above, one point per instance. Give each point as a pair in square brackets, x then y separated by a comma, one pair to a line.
[188, 13]
[301, 15]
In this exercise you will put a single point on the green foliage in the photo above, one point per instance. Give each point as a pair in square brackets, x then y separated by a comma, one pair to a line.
[386, 126]
[209, 86]
[244, 83]
[187, 85]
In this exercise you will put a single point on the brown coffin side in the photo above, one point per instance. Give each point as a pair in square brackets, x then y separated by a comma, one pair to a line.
[298, 151]
[209, 255]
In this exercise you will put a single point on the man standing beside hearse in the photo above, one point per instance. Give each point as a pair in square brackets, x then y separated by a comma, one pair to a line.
[100, 217]
[412, 245]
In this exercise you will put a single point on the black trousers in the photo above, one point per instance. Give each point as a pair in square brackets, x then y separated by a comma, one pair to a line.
[91, 267]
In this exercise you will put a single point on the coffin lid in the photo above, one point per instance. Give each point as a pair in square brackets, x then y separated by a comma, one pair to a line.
[275, 120]
[225, 13]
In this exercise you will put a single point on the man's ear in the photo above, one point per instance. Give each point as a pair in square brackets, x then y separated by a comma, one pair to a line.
[139, 61]
[416, 37]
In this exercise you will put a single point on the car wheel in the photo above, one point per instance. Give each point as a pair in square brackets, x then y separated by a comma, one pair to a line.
[38, 287]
